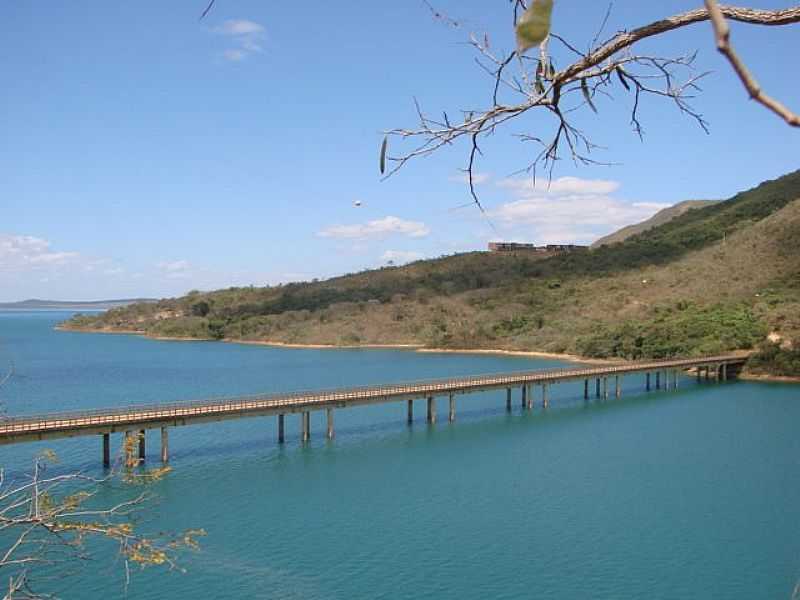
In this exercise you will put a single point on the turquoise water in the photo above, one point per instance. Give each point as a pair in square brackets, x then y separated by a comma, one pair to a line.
[687, 494]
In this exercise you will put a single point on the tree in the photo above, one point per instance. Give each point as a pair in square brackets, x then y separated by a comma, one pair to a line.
[521, 83]
[46, 521]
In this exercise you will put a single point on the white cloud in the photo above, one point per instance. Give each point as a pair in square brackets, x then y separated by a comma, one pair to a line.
[561, 186]
[239, 27]
[572, 210]
[174, 269]
[25, 252]
[245, 35]
[379, 228]
[401, 257]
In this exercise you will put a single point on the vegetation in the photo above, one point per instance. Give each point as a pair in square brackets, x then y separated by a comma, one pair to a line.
[777, 359]
[716, 278]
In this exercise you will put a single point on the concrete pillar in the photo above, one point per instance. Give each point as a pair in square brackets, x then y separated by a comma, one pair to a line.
[697, 372]
[305, 426]
[508, 399]
[724, 371]
[141, 445]
[329, 413]
[707, 369]
[647, 385]
[618, 386]
[524, 399]
[410, 412]
[281, 436]
[677, 378]
[585, 389]
[452, 414]
[716, 373]
[528, 397]
[106, 450]
[431, 409]
[597, 386]
[605, 388]
[164, 445]
[658, 380]
[545, 395]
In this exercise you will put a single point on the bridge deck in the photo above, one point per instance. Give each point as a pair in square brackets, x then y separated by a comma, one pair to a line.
[133, 417]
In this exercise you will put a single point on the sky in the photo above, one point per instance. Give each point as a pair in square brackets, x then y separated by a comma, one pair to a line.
[145, 153]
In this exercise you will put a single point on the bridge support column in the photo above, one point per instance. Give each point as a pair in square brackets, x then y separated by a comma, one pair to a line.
[524, 398]
[677, 377]
[658, 380]
[618, 386]
[647, 384]
[508, 399]
[141, 445]
[697, 372]
[164, 445]
[528, 397]
[305, 426]
[106, 450]
[724, 371]
[585, 389]
[605, 388]
[128, 444]
[707, 369]
[329, 413]
[597, 387]
[281, 428]
[545, 395]
[452, 414]
[431, 410]
[410, 412]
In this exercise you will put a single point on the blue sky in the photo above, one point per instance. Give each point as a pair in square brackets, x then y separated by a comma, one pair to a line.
[145, 153]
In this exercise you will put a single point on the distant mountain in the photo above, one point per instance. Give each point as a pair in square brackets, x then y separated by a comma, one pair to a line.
[661, 217]
[35, 303]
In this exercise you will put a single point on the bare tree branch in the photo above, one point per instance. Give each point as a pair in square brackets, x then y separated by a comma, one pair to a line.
[722, 33]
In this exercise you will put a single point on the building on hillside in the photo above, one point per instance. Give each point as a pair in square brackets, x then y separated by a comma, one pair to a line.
[549, 249]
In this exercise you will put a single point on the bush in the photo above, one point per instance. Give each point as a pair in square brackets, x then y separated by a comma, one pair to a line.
[772, 359]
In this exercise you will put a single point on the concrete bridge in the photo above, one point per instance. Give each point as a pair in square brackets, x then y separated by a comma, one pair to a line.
[136, 420]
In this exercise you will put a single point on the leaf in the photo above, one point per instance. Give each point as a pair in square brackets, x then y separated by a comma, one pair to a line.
[621, 75]
[383, 153]
[539, 85]
[587, 95]
[534, 25]
[551, 69]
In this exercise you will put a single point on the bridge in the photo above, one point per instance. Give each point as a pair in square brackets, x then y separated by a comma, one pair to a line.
[135, 420]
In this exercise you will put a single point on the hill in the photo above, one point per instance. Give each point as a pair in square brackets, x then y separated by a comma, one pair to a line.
[716, 278]
[661, 217]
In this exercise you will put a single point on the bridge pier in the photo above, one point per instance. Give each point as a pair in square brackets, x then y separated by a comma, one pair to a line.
[452, 414]
[281, 436]
[106, 450]
[410, 412]
[524, 398]
[528, 396]
[305, 426]
[618, 386]
[597, 387]
[585, 389]
[164, 445]
[128, 443]
[431, 410]
[677, 378]
[724, 371]
[508, 399]
[658, 380]
[545, 395]
[329, 413]
[647, 384]
[141, 445]
[605, 388]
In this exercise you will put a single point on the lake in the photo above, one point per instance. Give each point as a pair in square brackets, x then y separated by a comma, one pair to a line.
[693, 493]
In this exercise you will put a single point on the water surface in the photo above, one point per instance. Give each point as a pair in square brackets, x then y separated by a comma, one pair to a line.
[687, 494]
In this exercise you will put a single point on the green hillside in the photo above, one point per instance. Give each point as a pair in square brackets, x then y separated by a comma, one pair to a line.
[717, 278]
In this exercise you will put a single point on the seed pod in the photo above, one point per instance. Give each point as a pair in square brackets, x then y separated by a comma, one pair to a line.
[383, 153]
[587, 95]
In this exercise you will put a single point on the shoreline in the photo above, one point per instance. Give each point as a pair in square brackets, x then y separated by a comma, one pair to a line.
[415, 347]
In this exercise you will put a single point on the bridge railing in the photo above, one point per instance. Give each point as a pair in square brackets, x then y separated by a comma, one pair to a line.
[143, 412]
